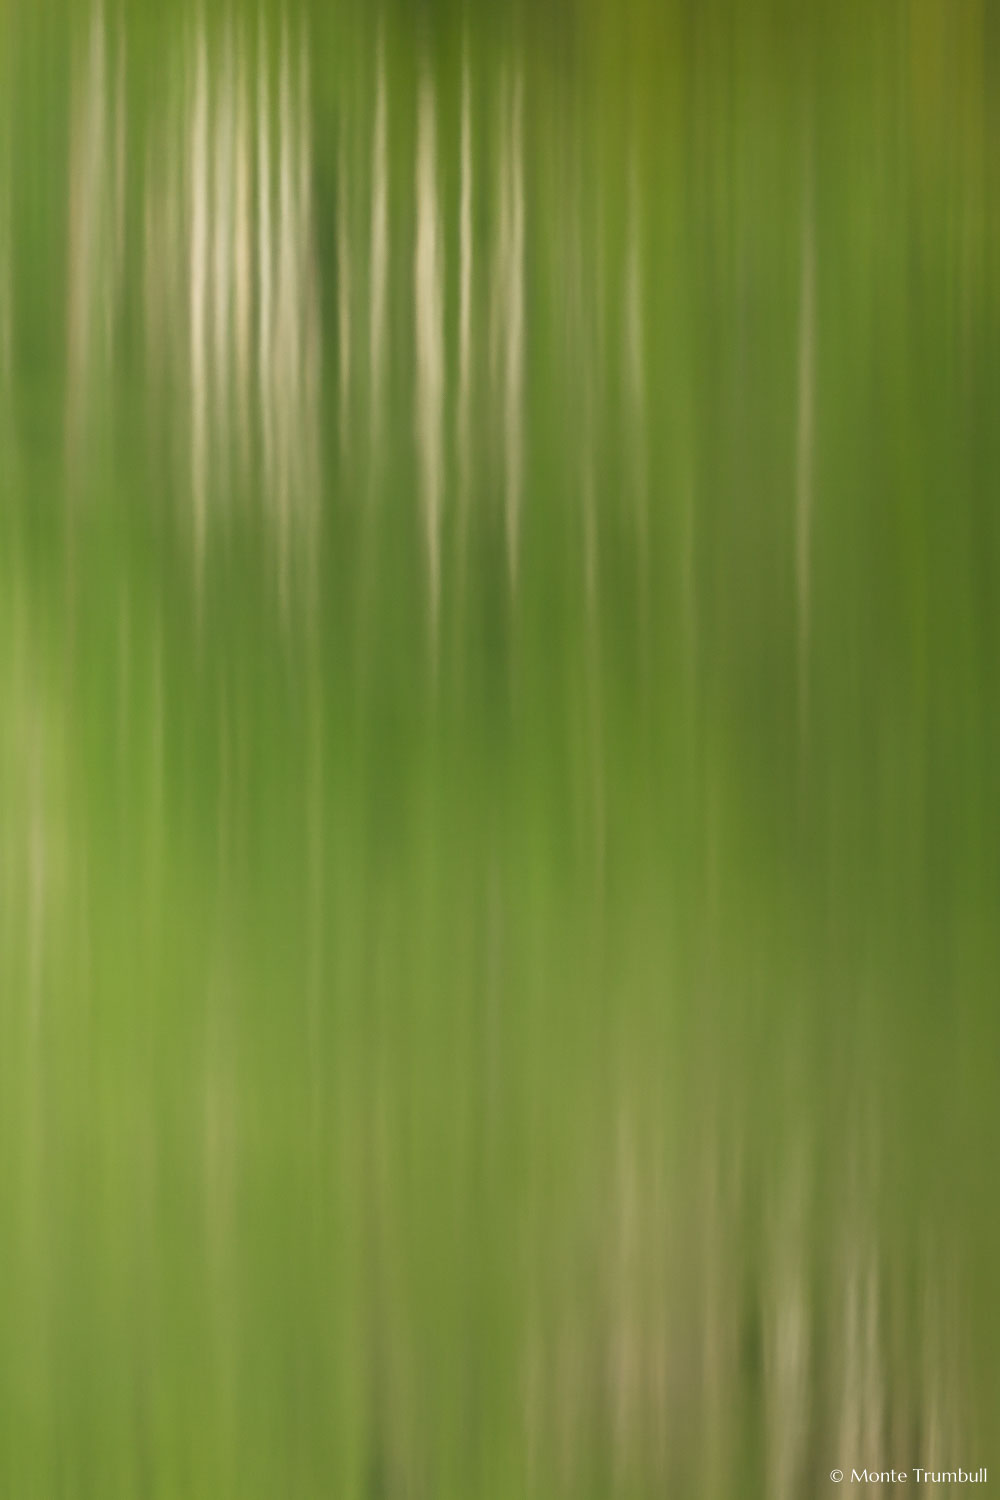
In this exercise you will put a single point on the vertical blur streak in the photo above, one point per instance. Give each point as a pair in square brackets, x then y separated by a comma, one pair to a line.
[507, 311]
[514, 374]
[343, 292]
[581, 303]
[310, 481]
[223, 245]
[464, 303]
[265, 314]
[379, 256]
[718, 1310]
[635, 385]
[243, 253]
[198, 249]
[586, 312]
[429, 306]
[120, 165]
[939, 1373]
[86, 258]
[286, 392]
[862, 1425]
[152, 271]
[298, 310]
[785, 1318]
[804, 454]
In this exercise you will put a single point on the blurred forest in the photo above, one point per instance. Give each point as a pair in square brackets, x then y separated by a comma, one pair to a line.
[499, 606]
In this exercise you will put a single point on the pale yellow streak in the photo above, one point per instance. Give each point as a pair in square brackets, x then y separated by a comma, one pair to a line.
[309, 301]
[87, 194]
[289, 236]
[429, 309]
[942, 1412]
[343, 293]
[243, 249]
[198, 266]
[379, 252]
[285, 391]
[265, 316]
[303, 149]
[465, 294]
[152, 273]
[171, 259]
[499, 273]
[222, 230]
[120, 162]
[862, 1405]
[514, 329]
[786, 1338]
[580, 301]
